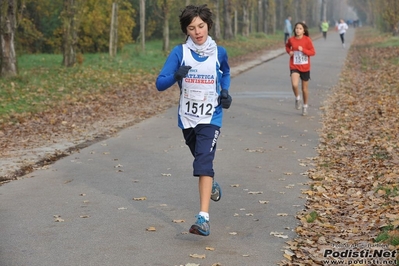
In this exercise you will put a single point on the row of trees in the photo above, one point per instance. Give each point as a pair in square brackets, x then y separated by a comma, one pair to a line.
[382, 14]
[90, 26]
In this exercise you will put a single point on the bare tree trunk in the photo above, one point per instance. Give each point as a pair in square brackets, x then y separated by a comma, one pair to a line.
[260, 16]
[113, 40]
[316, 13]
[252, 27]
[245, 19]
[265, 17]
[235, 22]
[70, 33]
[165, 46]
[142, 24]
[8, 25]
[166, 15]
[281, 18]
[216, 26]
[324, 10]
[228, 31]
[273, 12]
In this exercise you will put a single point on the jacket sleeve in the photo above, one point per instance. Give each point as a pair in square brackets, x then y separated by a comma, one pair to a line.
[309, 49]
[166, 78]
[288, 46]
[224, 68]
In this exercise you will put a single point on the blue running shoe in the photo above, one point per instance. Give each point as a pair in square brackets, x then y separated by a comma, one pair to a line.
[216, 191]
[201, 226]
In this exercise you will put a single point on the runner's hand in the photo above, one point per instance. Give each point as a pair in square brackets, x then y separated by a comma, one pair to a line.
[181, 72]
[225, 99]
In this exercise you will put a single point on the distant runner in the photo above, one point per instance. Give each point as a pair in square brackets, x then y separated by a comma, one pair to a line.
[300, 48]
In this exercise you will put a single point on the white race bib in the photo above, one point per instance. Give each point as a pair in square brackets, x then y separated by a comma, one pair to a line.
[300, 58]
[197, 103]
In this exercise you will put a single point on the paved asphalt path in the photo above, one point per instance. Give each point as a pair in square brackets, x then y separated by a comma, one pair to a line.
[81, 210]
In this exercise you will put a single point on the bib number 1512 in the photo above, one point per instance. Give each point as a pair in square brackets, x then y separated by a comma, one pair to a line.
[200, 109]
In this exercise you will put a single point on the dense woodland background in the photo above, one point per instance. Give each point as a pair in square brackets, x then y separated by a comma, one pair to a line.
[74, 27]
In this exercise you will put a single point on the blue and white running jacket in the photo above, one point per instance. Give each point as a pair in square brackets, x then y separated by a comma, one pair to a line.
[200, 89]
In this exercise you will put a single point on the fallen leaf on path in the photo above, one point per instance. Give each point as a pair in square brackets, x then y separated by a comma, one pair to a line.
[58, 218]
[278, 234]
[140, 198]
[255, 192]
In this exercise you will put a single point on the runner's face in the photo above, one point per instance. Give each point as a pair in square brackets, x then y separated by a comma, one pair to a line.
[299, 30]
[198, 31]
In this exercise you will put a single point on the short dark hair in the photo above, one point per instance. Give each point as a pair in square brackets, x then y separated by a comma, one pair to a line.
[190, 12]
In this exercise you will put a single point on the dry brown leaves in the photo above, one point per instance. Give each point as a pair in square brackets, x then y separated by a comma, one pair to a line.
[76, 122]
[354, 187]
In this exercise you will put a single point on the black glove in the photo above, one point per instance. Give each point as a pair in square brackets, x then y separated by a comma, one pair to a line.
[225, 99]
[181, 72]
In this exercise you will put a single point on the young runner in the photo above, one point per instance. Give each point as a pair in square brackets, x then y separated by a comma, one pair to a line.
[202, 72]
[324, 28]
[300, 48]
[342, 27]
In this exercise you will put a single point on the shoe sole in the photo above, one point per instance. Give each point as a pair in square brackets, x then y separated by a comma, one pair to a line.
[195, 230]
[217, 196]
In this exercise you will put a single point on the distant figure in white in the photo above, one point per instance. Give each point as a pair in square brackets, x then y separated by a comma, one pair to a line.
[342, 27]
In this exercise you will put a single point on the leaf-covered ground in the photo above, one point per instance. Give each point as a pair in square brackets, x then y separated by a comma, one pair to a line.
[353, 200]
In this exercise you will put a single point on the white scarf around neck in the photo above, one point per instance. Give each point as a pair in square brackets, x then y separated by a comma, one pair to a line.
[206, 49]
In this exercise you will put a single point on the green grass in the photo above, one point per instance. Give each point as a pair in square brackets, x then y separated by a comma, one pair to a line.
[392, 41]
[390, 191]
[389, 235]
[311, 217]
[381, 40]
[255, 42]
